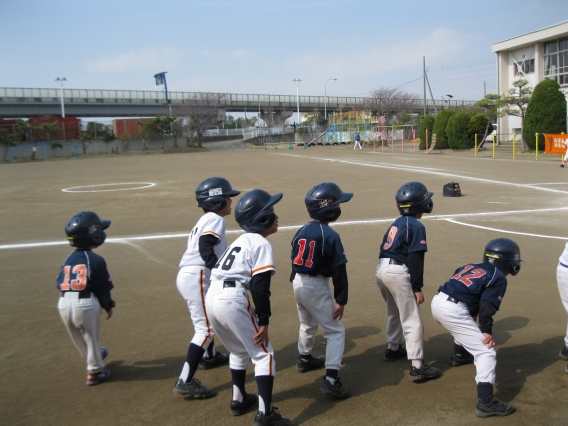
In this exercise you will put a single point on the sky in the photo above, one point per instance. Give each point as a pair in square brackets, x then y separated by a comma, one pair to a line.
[260, 46]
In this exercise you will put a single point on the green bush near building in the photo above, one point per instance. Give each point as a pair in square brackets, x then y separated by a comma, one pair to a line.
[546, 113]
[458, 134]
[440, 128]
[478, 125]
[426, 123]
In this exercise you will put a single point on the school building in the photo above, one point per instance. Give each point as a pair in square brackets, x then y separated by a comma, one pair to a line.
[535, 56]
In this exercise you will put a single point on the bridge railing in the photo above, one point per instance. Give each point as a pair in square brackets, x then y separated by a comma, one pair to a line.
[80, 96]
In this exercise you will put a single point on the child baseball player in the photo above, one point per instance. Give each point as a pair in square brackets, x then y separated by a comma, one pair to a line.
[565, 156]
[85, 287]
[205, 245]
[400, 278]
[317, 255]
[476, 291]
[562, 282]
[247, 267]
[357, 142]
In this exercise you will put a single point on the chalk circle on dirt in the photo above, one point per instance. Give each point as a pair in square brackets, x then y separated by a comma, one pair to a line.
[104, 187]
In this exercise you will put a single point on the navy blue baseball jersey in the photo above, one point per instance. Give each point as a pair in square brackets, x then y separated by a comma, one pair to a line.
[405, 235]
[475, 282]
[317, 250]
[84, 270]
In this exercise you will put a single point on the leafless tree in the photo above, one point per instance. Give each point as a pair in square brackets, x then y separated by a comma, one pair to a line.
[385, 100]
[199, 111]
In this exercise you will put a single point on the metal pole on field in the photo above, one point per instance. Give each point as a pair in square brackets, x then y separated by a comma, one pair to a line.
[61, 82]
[536, 145]
[297, 82]
[514, 145]
[494, 140]
[475, 149]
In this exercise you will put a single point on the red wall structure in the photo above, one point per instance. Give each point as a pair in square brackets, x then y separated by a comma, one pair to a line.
[127, 125]
[70, 128]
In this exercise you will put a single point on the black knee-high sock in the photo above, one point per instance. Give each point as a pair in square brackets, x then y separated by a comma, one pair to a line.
[460, 350]
[211, 349]
[194, 355]
[239, 377]
[265, 385]
[484, 392]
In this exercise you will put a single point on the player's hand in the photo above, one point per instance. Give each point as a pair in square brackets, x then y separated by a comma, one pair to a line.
[419, 297]
[261, 338]
[338, 313]
[488, 340]
[109, 314]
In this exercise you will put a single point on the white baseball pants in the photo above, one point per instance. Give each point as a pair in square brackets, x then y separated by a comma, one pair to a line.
[192, 283]
[404, 314]
[562, 282]
[457, 320]
[315, 305]
[233, 318]
[82, 318]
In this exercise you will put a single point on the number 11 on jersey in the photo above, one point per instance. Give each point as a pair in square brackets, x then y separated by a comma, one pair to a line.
[299, 258]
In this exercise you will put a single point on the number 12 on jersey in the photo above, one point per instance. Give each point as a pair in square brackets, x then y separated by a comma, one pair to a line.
[299, 259]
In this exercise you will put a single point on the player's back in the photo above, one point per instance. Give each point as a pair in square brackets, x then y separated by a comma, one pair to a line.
[209, 224]
[317, 250]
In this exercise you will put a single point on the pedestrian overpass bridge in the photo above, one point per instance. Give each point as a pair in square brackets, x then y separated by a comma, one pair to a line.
[29, 102]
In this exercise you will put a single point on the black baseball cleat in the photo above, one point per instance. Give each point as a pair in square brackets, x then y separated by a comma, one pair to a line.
[459, 360]
[564, 353]
[194, 388]
[240, 408]
[304, 365]
[423, 373]
[274, 419]
[216, 361]
[391, 355]
[336, 389]
[495, 407]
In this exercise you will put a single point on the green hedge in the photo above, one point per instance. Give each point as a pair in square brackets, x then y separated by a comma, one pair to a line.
[458, 135]
[546, 113]
[426, 123]
[478, 125]
[440, 127]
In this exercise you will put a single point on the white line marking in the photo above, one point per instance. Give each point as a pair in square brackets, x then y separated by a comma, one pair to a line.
[291, 227]
[143, 186]
[505, 231]
[402, 167]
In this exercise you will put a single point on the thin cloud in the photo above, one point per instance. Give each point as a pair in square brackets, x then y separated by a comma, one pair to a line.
[391, 56]
[145, 59]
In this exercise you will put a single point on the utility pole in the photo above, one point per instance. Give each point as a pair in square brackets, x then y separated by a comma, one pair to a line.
[424, 78]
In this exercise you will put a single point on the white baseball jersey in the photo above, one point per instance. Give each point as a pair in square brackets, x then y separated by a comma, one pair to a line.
[249, 255]
[562, 282]
[209, 224]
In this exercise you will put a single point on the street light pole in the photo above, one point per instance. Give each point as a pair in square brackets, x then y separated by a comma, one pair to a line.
[325, 96]
[61, 81]
[449, 99]
[297, 82]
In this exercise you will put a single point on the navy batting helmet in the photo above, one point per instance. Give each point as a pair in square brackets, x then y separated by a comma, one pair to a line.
[504, 253]
[210, 193]
[86, 229]
[322, 201]
[413, 198]
[252, 212]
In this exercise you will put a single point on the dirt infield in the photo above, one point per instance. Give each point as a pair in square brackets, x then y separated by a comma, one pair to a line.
[150, 200]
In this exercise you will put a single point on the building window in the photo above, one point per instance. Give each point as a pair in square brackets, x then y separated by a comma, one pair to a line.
[556, 60]
[524, 67]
